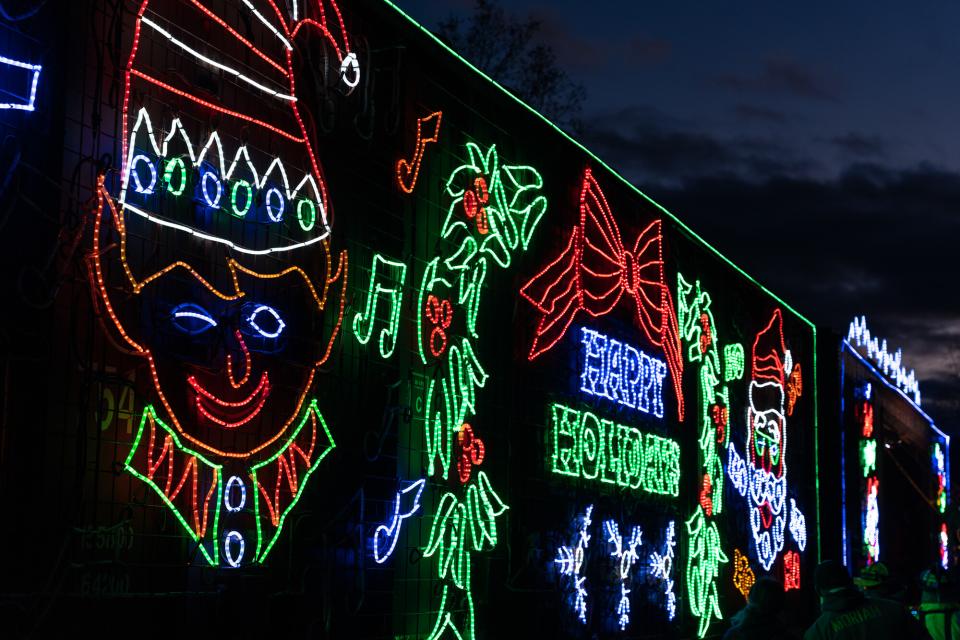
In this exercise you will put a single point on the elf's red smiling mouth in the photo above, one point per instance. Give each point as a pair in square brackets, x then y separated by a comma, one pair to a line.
[231, 415]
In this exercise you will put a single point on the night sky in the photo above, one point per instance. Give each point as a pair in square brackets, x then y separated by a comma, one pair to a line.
[815, 144]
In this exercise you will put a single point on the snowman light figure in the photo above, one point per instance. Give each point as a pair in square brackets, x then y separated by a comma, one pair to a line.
[212, 259]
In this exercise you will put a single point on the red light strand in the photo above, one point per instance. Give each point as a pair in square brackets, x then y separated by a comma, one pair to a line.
[286, 476]
[409, 171]
[247, 364]
[595, 271]
[166, 458]
[233, 32]
[223, 110]
[234, 267]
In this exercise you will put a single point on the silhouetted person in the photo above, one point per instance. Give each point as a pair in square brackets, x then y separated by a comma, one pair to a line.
[849, 615]
[938, 606]
[760, 619]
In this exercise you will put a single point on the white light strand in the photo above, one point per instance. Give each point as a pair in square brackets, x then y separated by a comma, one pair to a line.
[224, 241]
[737, 470]
[890, 363]
[228, 540]
[798, 525]
[213, 63]
[214, 146]
[571, 563]
[232, 507]
[661, 565]
[627, 555]
[768, 491]
[269, 25]
[276, 317]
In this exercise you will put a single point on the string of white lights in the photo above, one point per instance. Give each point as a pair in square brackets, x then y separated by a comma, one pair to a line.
[213, 63]
[890, 363]
[269, 25]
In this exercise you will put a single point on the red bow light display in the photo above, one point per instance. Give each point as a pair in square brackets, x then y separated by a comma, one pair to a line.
[596, 271]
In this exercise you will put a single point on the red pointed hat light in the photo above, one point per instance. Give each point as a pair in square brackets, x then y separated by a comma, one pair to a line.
[596, 271]
[222, 127]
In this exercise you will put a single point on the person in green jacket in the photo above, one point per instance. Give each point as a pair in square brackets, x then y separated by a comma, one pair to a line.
[849, 615]
[938, 606]
[761, 618]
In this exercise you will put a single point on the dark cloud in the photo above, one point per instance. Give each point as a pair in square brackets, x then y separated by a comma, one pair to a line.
[781, 76]
[585, 53]
[646, 146]
[873, 241]
[760, 114]
[575, 51]
[859, 145]
[642, 50]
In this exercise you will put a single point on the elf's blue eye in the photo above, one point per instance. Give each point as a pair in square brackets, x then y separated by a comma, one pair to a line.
[265, 321]
[143, 174]
[192, 319]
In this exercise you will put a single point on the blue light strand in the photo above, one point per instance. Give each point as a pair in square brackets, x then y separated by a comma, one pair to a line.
[622, 373]
[35, 69]
[228, 493]
[278, 216]
[281, 325]
[193, 312]
[138, 184]
[213, 203]
[387, 536]
[233, 537]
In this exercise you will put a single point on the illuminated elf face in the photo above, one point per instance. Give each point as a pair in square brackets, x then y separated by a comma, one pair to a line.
[232, 373]
[224, 178]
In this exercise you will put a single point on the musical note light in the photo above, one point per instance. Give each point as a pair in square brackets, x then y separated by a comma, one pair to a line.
[387, 278]
[409, 170]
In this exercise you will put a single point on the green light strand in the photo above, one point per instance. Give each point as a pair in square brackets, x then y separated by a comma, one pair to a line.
[511, 219]
[149, 415]
[733, 362]
[456, 526]
[313, 214]
[247, 200]
[171, 164]
[463, 377]
[387, 278]
[680, 224]
[698, 331]
[868, 456]
[584, 446]
[312, 411]
[816, 446]
[493, 213]
[704, 557]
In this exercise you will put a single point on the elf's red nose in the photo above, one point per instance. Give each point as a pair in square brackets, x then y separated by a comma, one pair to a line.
[231, 368]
